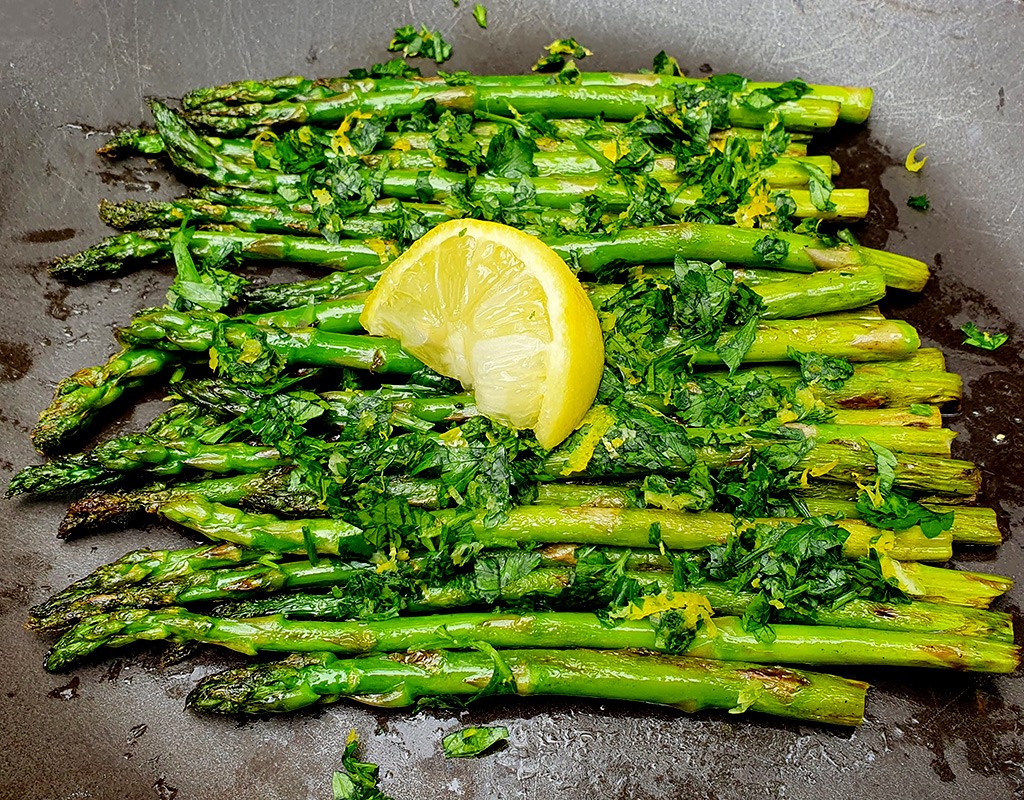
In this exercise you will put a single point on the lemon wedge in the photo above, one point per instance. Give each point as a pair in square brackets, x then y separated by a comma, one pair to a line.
[498, 310]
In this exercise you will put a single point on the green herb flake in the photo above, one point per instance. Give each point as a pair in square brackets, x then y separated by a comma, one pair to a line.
[767, 98]
[771, 249]
[919, 201]
[200, 286]
[820, 186]
[469, 742]
[423, 43]
[830, 372]
[896, 512]
[920, 409]
[480, 15]
[359, 779]
[560, 55]
[885, 466]
[982, 339]
[664, 64]
[728, 82]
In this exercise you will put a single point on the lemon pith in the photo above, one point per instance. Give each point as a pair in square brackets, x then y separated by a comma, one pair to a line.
[498, 310]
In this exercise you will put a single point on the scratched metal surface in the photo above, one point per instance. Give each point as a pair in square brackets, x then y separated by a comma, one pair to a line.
[947, 73]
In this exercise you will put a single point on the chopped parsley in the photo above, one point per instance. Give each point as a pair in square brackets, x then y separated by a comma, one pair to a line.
[919, 201]
[469, 742]
[983, 340]
[423, 43]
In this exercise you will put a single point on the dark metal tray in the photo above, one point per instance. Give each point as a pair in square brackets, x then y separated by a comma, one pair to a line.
[946, 73]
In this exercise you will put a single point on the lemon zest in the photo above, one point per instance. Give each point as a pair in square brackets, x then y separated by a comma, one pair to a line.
[912, 163]
[598, 421]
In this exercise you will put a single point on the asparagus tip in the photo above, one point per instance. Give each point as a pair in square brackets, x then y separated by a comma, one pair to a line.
[275, 686]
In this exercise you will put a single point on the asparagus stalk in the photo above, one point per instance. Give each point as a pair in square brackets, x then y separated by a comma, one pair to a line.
[523, 526]
[522, 93]
[972, 525]
[786, 297]
[180, 449]
[110, 585]
[727, 641]
[855, 102]
[147, 142]
[653, 245]
[275, 490]
[113, 255]
[688, 684]
[281, 296]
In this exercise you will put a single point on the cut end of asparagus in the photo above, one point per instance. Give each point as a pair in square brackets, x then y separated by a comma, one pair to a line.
[856, 104]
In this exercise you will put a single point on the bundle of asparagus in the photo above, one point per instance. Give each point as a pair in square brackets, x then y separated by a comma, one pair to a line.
[759, 482]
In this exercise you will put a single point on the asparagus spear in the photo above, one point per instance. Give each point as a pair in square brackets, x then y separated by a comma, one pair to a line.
[147, 142]
[688, 684]
[112, 255]
[726, 641]
[652, 245]
[526, 525]
[855, 102]
[179, 449]
[522, 93]
[973, 525]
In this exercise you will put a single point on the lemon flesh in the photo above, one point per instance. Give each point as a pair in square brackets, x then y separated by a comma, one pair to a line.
[498, 310]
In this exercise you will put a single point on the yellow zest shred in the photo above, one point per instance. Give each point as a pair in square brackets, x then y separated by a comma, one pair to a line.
[598, 421]
[912, 164]
[339, 141]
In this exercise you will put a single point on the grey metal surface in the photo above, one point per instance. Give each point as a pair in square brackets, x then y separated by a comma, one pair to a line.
[946, 73]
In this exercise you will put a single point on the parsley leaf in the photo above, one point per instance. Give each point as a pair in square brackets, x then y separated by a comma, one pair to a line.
[480, 15]
[559, 54]
[203, 286]
[885, 467]
[897, 512]
[664, 64]
[495, 574]
[764, 99]
[919, 201]
[510, 154]
[820, 186]
[982, 339]
[359, 779]
[830, 372]
[728, 82]
[472, 741]
[453, 141]
[423, 43]
[395, 68]
[771, 249]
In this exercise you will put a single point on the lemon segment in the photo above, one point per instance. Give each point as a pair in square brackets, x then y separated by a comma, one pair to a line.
[498, 310]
